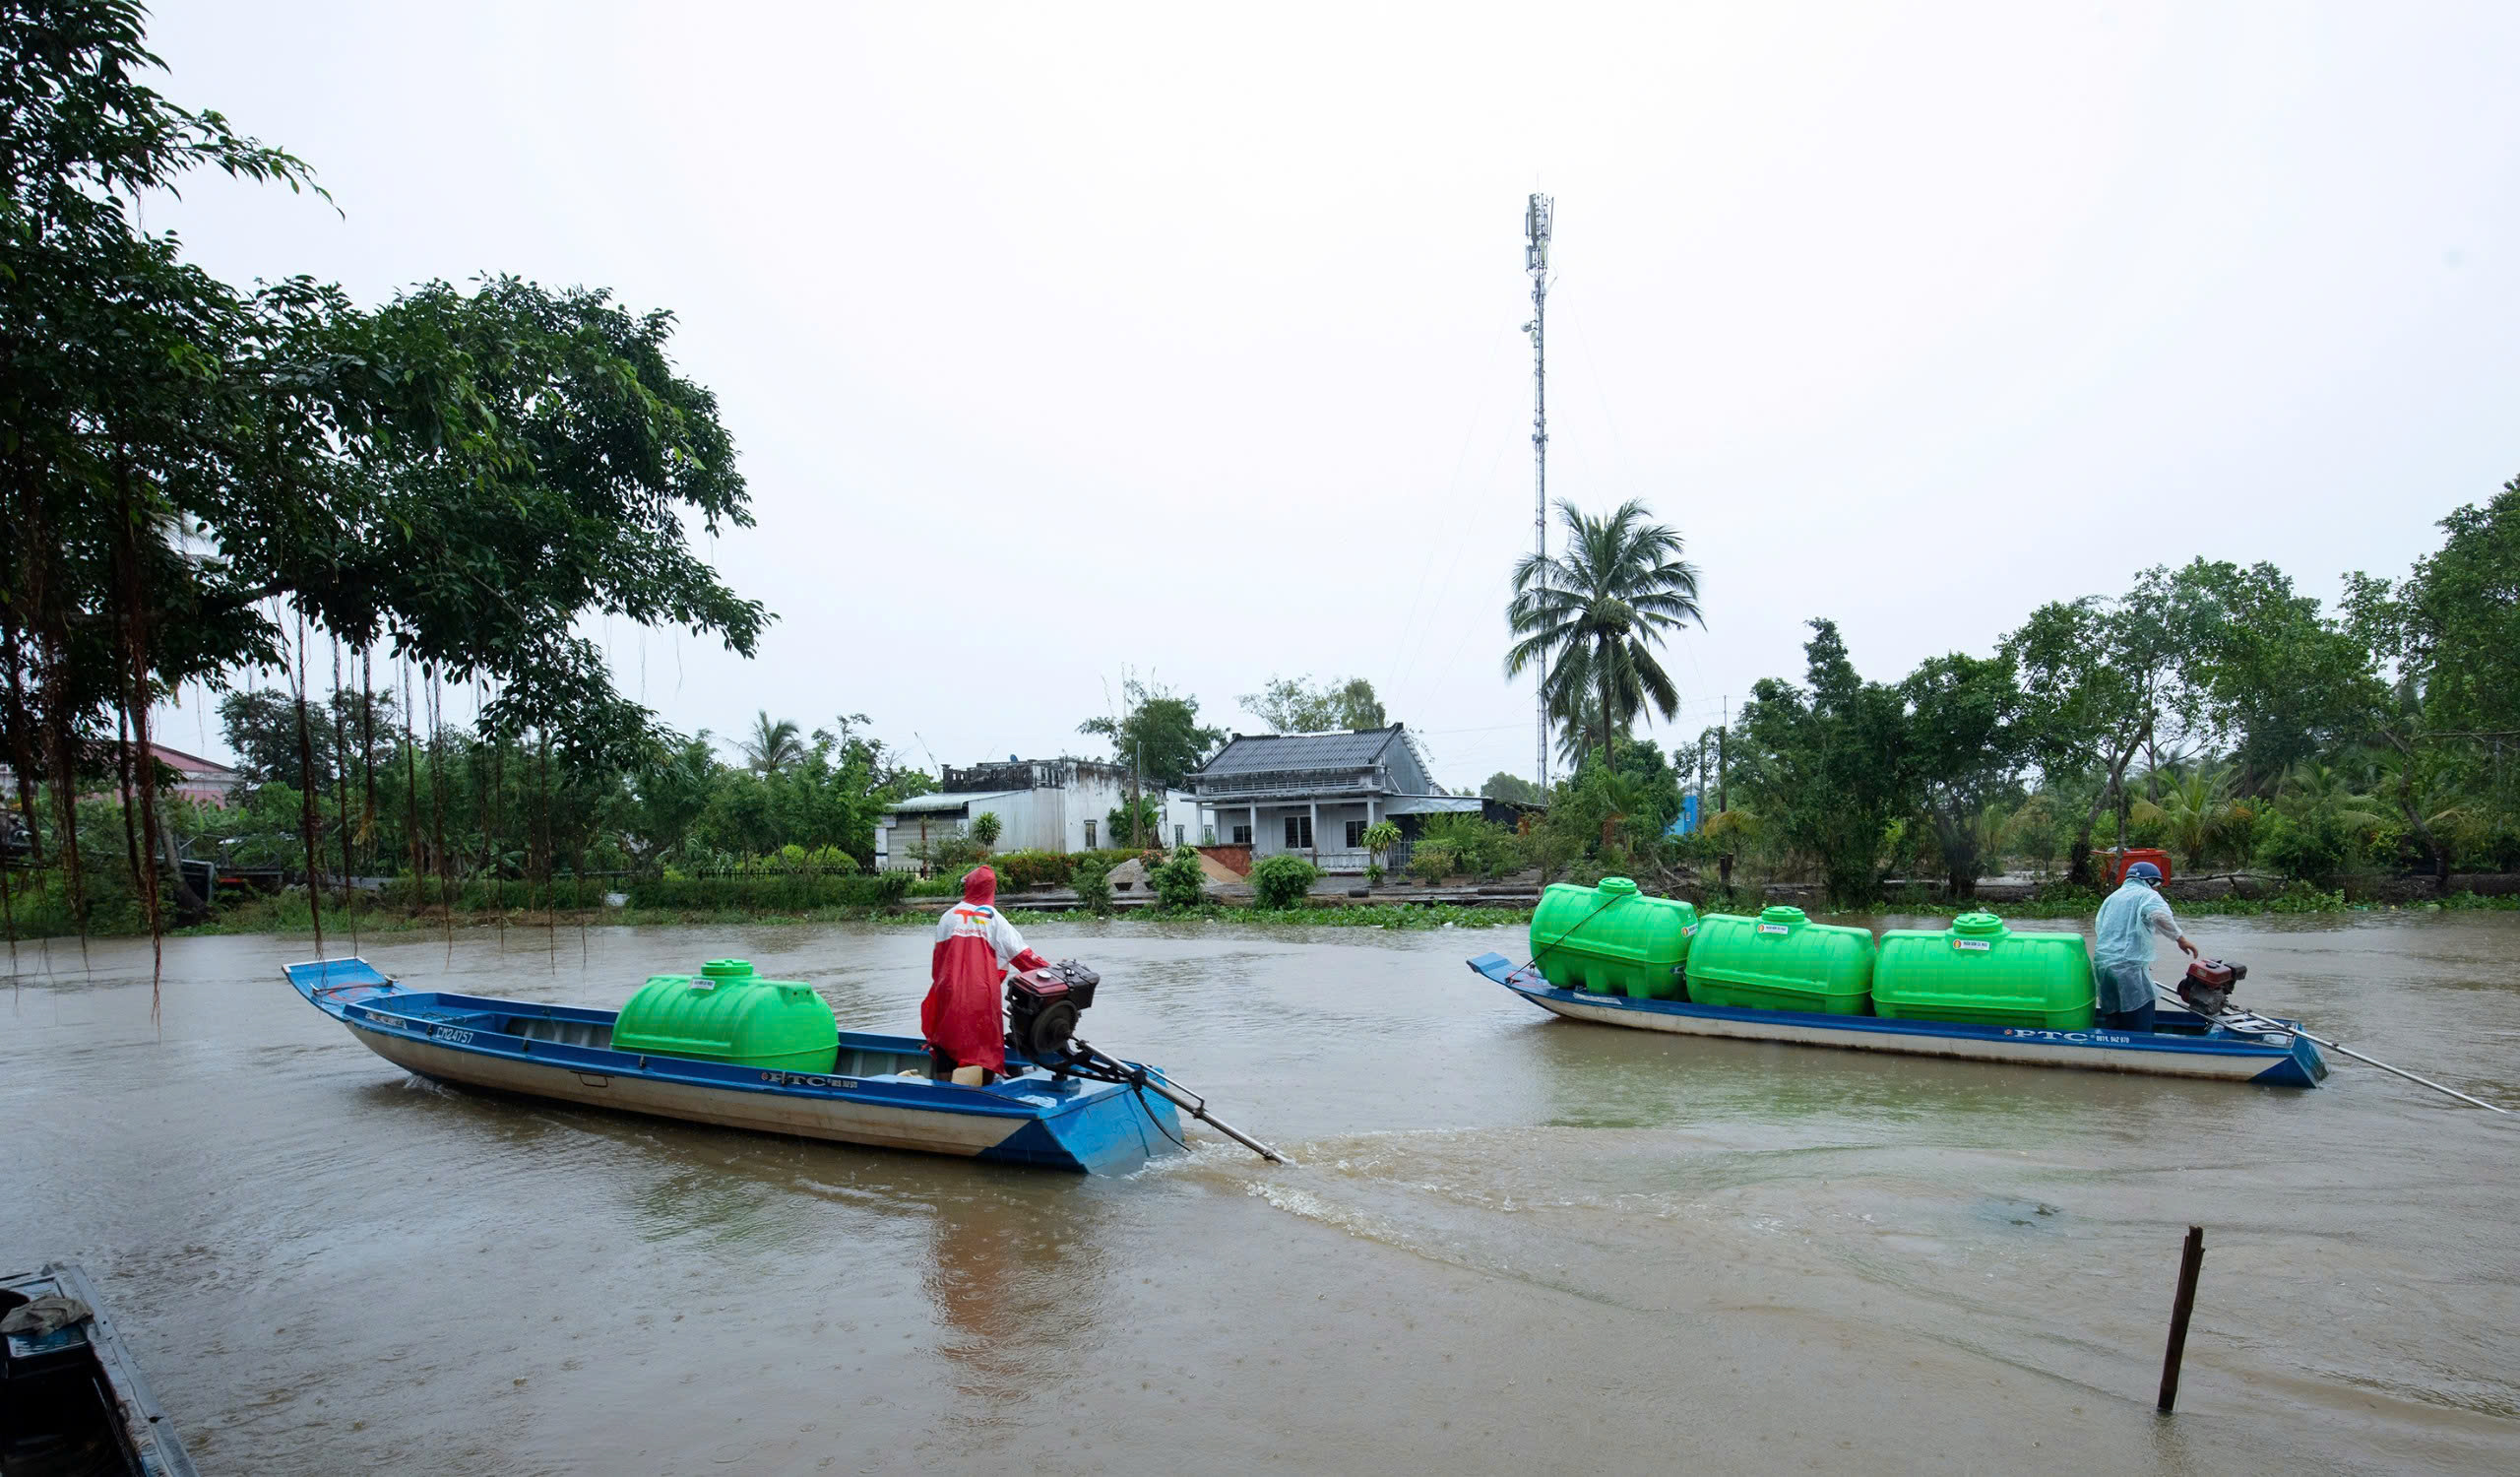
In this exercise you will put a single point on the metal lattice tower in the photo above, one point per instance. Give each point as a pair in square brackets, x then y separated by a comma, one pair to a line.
[1535, 231]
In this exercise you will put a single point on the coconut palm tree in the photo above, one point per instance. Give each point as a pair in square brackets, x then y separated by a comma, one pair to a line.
[775, 745]
[2197, 812]
[1590, 617]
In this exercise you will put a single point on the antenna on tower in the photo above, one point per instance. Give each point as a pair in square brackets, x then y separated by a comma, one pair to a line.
[1536, 233]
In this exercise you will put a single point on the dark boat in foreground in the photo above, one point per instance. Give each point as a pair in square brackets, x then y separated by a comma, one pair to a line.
[72, 1399]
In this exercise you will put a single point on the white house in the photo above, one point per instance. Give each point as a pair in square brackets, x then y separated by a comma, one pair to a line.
[1040, 804]
[1315, 793]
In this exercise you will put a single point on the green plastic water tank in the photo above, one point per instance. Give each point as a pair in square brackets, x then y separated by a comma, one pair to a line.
[1612, 938]
[727, 1014]
[1980, 972]
[1780, 960]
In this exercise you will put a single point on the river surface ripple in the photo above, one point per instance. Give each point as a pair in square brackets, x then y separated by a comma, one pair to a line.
[1511, 1243]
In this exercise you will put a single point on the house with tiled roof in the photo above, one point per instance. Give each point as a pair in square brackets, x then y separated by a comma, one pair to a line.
[1315, 795]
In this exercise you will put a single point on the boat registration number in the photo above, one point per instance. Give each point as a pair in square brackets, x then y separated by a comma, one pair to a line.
[2080, 1038]
[805, 1079]
[452, 1035]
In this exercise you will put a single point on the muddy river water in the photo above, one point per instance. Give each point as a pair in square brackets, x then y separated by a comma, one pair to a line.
[1511, 1243]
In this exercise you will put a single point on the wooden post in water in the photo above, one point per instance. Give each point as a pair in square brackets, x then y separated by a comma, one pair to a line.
[2190, 1258]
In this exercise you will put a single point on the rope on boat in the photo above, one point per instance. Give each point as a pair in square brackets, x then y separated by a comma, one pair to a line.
[2259, 1026]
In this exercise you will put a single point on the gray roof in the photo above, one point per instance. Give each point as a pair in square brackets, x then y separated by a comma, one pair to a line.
[1248, 753]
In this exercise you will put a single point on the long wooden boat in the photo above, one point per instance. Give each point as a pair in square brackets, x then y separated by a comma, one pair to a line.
[876, 1093]
[2181, 1044]
[72, 1398]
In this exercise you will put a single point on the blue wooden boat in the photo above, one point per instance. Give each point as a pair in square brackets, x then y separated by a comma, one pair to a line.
[72, 1398]
[2182, 1044]
[877, 1091]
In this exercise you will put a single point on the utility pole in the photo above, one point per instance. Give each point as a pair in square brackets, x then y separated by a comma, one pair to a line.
[1720, 735]
[1536, 233]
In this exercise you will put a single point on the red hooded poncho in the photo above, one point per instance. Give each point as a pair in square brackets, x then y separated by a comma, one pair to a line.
[974, 945]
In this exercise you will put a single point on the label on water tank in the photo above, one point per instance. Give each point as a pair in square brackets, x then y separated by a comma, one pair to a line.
[1774, 929]
[1687, 928]
[1979, 944]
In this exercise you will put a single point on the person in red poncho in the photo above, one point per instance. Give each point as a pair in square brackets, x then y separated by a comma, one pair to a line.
[961, 1019]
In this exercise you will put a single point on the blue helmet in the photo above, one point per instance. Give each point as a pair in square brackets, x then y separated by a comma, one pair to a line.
[2145, 873]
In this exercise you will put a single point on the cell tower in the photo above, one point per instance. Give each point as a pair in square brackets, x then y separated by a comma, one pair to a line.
[1536, 261]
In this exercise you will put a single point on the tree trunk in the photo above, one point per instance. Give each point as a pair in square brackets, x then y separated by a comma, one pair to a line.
[188, 903]
[1609, 761]
[2433, 851]
[2078, 858]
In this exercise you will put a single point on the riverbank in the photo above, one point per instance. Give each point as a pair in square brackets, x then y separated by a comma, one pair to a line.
[1398, 912]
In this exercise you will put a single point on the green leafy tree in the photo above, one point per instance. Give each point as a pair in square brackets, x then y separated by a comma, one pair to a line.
[2098, 677]
[1827, 764]
[1160, 736]
[198, 479]
[986, 828]
[1300, 705]
[663, 792]
[1502, 785]
[1964, 747]
[1592, 615]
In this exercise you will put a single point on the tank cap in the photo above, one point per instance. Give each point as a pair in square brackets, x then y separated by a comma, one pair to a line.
[1978, 925]
[1622, 887]
[1779, 913]
[727, 969]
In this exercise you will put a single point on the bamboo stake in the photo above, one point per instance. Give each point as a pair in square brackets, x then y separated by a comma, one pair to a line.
[2191, 1257]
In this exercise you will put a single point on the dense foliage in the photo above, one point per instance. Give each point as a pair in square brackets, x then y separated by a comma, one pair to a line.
[2212, 710]
[1300, 705]
[200, 478]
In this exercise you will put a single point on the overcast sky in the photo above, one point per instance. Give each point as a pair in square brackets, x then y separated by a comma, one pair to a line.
[1064, 340]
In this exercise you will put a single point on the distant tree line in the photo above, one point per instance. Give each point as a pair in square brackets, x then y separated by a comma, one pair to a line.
[2212, 710]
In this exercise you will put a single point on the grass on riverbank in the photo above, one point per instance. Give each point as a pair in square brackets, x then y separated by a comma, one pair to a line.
[290, 914]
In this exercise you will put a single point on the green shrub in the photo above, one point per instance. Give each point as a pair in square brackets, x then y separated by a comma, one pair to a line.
[2309, 848]
[1481, 846]
[1430, 861]
[1280, 882]
[1022, 872]
[1091, 880]
[1180, 882]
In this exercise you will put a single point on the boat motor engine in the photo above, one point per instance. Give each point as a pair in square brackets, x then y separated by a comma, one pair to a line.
[1041, 1009]
[2208, 984]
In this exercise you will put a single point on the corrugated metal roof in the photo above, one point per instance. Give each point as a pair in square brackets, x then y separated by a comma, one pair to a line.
[1434, 804]
[1341, 750]
[923, 803]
